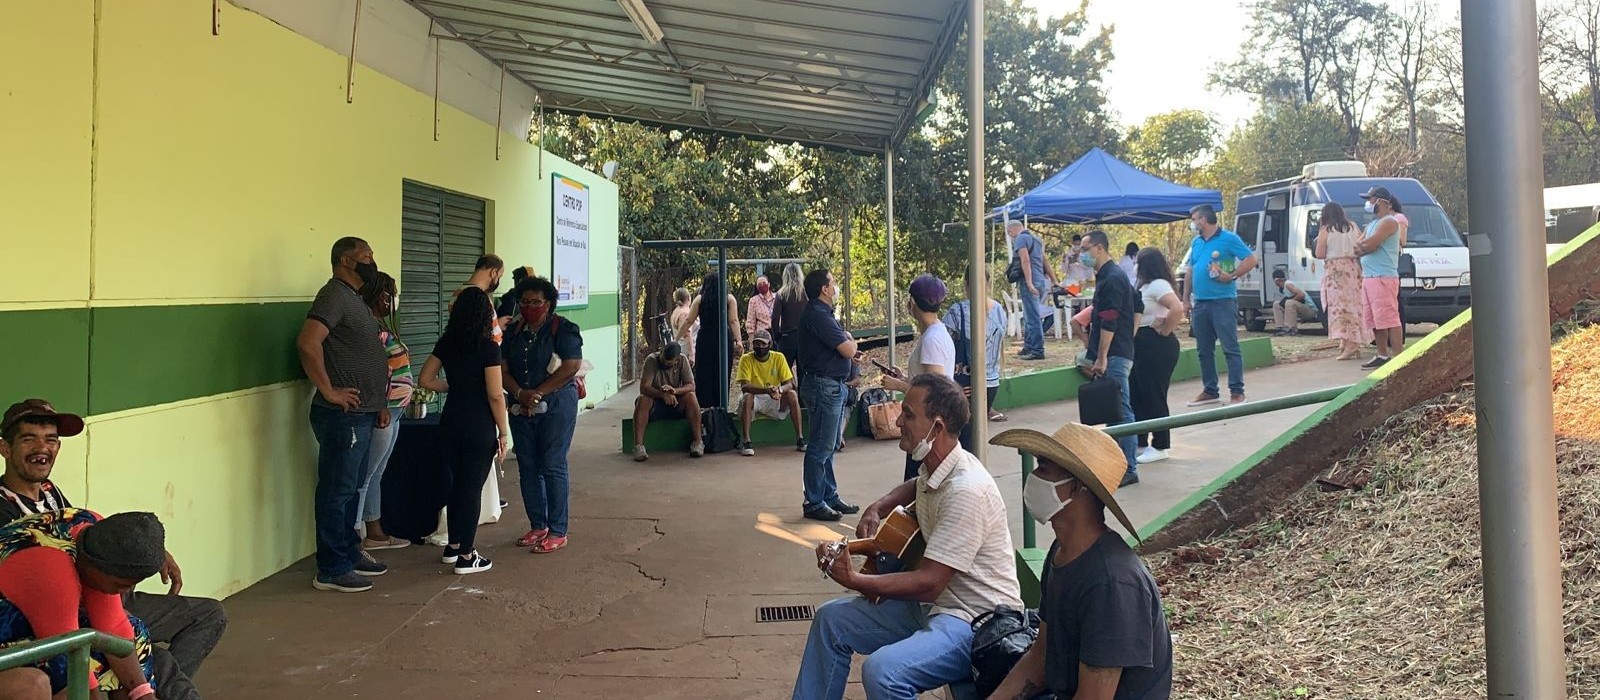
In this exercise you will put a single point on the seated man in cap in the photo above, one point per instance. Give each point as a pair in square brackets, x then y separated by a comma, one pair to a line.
[766, 386]
[918, 637]
[67, 569]
[1104, 633]
[666, 392]
[30, 441]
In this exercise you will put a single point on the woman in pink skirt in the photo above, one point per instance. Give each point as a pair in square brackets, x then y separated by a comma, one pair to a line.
[1341, 281]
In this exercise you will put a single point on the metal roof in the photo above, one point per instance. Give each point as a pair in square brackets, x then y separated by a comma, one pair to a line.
[849, 74]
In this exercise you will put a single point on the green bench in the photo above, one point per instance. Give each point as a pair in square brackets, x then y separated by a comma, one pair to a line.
[673, 435]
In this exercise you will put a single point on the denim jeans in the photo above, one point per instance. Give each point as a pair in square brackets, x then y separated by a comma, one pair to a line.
[190, 627]
[343, 440]
[1214, 320]
[541, 443]
[825, 398]
[1118, 368]
[370, 500]
[1032, 322]
[908, 652]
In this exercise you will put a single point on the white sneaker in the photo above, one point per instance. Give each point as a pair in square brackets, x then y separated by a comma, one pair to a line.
[1150, 454]
[697, 448]
[639, 453]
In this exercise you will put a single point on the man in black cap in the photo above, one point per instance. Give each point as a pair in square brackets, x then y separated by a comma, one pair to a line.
[30, 441]
[666, 392]
[1380, 275]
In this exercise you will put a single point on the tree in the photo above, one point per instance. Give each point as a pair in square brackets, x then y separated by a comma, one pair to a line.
[1407, 61]
[1173, 144]
[1570, 80]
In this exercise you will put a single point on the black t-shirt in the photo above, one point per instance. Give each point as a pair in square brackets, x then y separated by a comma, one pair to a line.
[468, 400]
[1103, 609]
[820, 337]
[1115, 303]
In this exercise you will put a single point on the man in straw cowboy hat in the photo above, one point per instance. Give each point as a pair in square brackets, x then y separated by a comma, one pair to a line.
[1104, 634]
[919, 637]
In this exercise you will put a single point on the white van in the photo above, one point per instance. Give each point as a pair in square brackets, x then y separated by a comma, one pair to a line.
[1569, 211]
[1278, 220]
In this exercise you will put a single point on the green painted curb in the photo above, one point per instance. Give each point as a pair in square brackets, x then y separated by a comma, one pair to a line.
[1061, 383]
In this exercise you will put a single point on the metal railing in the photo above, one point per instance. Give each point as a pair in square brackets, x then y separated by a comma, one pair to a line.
[76, 645]
[1029, 540]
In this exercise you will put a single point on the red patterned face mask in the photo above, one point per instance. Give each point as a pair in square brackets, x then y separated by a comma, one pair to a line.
[534, 315]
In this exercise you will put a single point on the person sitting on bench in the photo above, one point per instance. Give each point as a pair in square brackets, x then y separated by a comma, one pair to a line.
[1292, 307]
[766, 386]
[666, 392]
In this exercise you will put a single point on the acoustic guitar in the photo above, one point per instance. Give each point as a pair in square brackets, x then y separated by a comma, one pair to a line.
[897, 546]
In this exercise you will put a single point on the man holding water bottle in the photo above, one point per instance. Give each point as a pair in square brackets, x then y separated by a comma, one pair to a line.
[1217, 259]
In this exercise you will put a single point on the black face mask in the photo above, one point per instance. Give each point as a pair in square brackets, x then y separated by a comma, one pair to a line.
[762, 354]
[368, 272]
[493, 286]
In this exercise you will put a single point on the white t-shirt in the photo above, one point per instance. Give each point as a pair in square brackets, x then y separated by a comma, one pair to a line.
[934, 347]
[1151, 294]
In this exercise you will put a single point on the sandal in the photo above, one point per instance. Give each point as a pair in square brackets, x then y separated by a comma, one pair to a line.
[533, 538]
[997, 417]
[550, 544]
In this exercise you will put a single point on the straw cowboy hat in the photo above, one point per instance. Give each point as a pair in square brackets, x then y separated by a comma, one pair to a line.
[1090, 455]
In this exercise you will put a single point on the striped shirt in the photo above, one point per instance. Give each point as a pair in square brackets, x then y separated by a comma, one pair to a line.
[963, 519]
[401, 381]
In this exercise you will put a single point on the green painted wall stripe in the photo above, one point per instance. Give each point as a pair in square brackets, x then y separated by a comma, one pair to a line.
[115, 358]
[1057, 384]
[146, 355]
[44, 356]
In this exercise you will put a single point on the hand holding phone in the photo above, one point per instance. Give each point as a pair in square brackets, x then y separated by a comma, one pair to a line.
[888, 370]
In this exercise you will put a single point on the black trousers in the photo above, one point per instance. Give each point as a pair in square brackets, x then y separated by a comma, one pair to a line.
[1154, 359]
[966, 433]
[468, 451]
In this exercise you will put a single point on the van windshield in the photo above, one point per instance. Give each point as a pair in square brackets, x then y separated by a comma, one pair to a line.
[1429, 227]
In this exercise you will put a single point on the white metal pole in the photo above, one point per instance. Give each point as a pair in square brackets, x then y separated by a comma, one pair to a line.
[888, 217]
[975, 243]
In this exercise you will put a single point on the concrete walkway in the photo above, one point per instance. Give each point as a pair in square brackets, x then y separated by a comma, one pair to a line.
[656, 595]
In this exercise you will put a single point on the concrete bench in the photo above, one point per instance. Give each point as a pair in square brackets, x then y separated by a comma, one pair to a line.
[673, 435]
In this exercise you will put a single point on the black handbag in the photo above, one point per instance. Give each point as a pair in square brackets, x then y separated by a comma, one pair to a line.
[999, 638]
[1099, 401]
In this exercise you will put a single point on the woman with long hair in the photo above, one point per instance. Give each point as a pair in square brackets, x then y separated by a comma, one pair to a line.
[1337, 237]
[383, 297]
[543, 354]
[787, 312]
[473, 427]
[713, 314]
[1155, 350]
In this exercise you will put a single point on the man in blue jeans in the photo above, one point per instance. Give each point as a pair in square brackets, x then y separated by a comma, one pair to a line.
[1110, 338]
[826, 353]
[1217, 259]
[917, 636]
[1035, 281]
[343, 357]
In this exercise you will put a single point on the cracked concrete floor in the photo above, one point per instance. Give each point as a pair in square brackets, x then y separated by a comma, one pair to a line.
[655, 597]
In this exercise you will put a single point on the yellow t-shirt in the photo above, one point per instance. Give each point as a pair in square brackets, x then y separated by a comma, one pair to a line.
[773, 372]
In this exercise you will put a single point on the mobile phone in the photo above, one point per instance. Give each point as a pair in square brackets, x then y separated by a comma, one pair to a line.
[886, 369]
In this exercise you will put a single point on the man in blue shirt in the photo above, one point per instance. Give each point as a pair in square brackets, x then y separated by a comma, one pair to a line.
[1030, 253]
[1217, 259]
[826, 353]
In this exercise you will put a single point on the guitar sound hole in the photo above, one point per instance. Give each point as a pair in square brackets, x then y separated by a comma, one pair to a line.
[785, 613]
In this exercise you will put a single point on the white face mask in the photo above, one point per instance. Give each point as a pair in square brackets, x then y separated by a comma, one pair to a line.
[1041, 499]
[920, 452]
[1370, 207]
[1194, 228]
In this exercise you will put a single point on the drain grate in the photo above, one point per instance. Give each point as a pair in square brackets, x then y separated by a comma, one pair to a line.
[785, 613]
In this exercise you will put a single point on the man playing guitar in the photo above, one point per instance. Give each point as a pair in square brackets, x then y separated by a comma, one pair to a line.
[920, 636]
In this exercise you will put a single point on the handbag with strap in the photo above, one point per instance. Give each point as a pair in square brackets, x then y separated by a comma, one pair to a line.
[1099, 401]
[885, 419]
[999, 638]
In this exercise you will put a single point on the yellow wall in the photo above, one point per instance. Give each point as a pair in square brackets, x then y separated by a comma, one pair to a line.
[46, 94]
[226, 167]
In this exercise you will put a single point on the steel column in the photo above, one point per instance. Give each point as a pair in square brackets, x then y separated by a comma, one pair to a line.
[888, 217]
[975, 244]
[1511, 334]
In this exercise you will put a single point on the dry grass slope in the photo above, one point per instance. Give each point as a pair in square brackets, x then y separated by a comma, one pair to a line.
[1377, 593]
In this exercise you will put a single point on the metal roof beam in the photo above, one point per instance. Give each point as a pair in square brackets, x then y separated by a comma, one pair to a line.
[684, 119]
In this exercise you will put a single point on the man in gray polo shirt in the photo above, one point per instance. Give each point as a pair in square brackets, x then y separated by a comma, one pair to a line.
[919, 637]
[345, 361]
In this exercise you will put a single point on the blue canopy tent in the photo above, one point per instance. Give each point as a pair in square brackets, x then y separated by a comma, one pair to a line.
[1099, 189]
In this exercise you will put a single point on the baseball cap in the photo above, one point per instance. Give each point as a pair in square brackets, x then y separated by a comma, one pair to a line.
[1380, 193]
[67, 424]
[762, 336]
[928, 291]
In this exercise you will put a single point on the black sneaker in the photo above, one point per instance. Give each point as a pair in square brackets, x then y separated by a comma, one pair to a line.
[746, 449]
[347, 583]
[450, 555]
[472, 563]
[370, 567]
[1375, 362]
[845, 508]
[824, 513]
[800, 445]
[1129, 479]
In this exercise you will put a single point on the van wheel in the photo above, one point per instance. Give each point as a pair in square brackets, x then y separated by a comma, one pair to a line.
[1255, 322]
